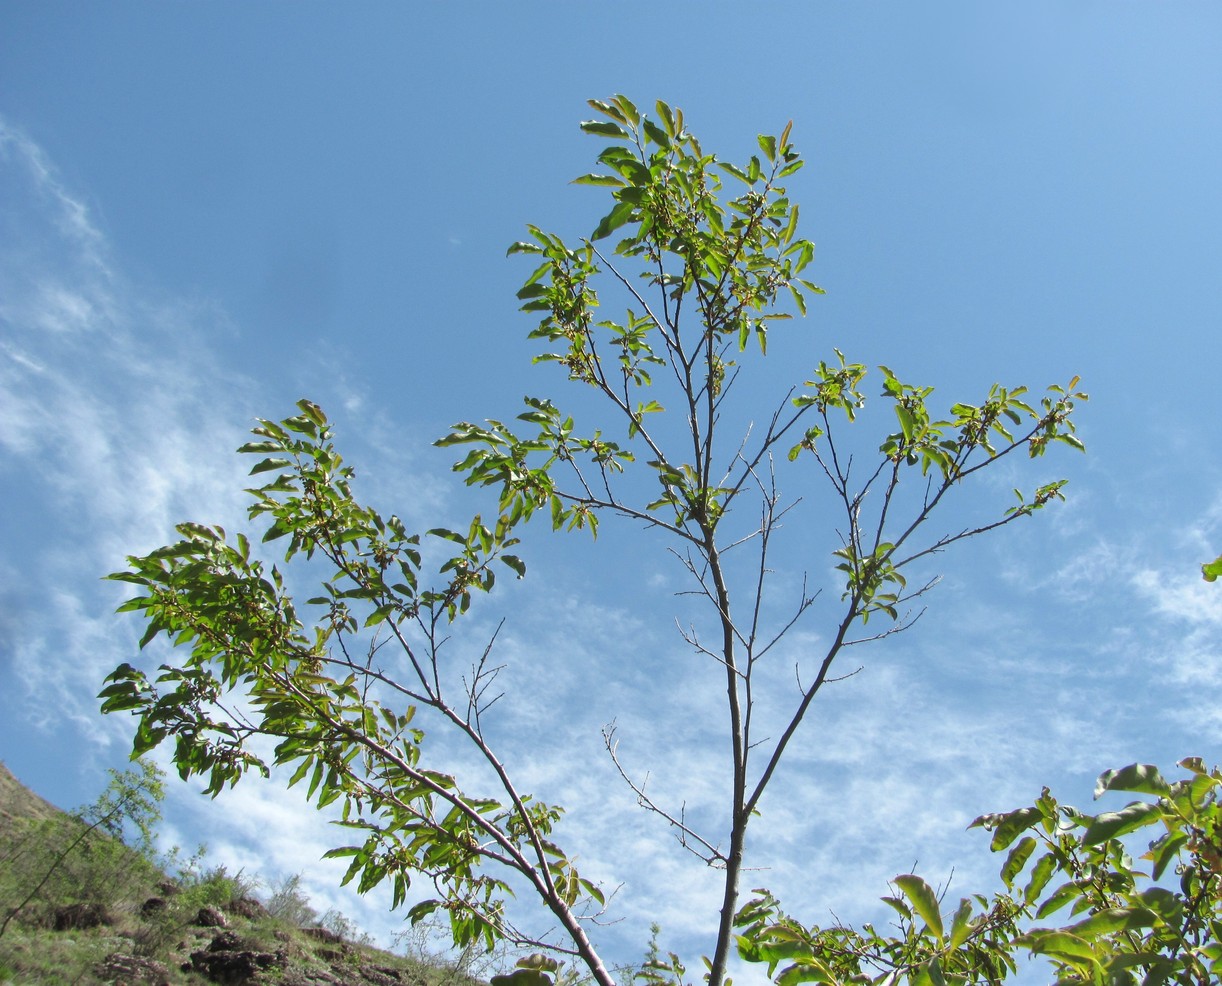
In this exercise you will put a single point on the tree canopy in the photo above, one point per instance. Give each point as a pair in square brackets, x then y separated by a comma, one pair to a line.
[705, 260]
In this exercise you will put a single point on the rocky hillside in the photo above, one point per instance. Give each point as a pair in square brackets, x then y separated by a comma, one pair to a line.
[78, 907]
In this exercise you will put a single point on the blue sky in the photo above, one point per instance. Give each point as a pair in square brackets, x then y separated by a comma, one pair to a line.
[208, 211]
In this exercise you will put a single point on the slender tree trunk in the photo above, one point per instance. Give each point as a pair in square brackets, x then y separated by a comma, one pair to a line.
[738, 814]
[729, 901]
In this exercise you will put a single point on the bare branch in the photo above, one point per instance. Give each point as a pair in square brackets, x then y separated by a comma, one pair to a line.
[711, 855]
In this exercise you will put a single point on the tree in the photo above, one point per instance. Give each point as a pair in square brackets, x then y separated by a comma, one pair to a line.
[98, 855]
[705, 273]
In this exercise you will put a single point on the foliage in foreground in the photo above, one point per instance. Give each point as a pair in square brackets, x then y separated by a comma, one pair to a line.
[1157, 921]
[705, 274]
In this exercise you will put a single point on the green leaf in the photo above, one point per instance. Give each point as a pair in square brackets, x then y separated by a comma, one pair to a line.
[379, 615]
[736, 172]
[1059, 898]
[1041, 873]
[1165, 851]
[960, 926]
[523, 977]
[656, 133]
[302, 425]
[627, 108]
[603, 128]
[1142, 778]
[1112, 824]
[313, 412]
[798, 298]
[613, 220]
[267, 465]
[1211, 570]
[809, 970]
[1017, 859]
[448, 535]
[611, 181]
[924, 900]
[1006, 827]
[1112, 920]
[1044, 942]
[902, 909]
[606, 109]
[668, 117]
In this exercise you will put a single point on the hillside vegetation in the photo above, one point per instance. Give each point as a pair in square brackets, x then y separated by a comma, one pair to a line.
[84, 900]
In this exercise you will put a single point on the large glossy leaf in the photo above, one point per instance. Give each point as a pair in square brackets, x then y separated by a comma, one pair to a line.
[1113, 824]
[924, 900]
[1112, 920]
[1142, 778]
[604, 128]
[1007, 826]
[613, 220]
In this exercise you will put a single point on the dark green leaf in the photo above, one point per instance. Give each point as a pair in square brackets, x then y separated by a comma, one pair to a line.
[613, 220]
[1112, 920]
[1017, 859]
[603, 128]
[1142, 778]
[1006, 827]
[269, 464]
[656, 133]
[1113, 824]
[1059, 898]
[611, 181]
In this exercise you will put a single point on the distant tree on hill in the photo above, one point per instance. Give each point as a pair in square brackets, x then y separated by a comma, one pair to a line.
[98, 856]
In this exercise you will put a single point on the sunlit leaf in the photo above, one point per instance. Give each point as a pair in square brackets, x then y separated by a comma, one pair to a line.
[1142, 778]
[1113, 824]
[604, 128]
[924, 900]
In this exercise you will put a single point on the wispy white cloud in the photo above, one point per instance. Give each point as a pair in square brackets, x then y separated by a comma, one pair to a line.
[55, 274]
[1185, 598]
[111, 403]
[120, 420]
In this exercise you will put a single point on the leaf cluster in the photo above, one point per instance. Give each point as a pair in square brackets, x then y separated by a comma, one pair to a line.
[255, 670]
[1127, 927]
